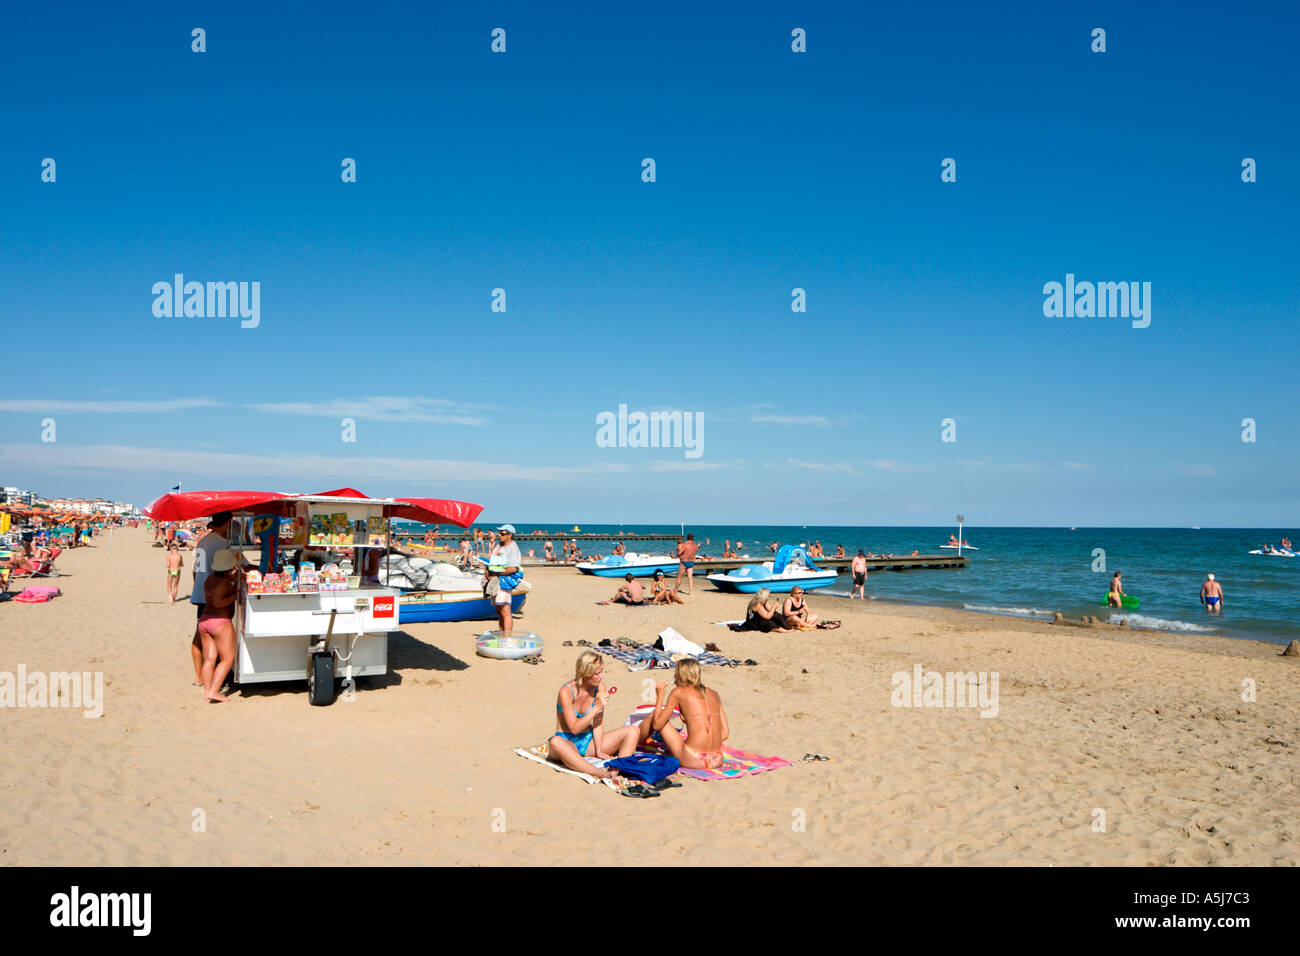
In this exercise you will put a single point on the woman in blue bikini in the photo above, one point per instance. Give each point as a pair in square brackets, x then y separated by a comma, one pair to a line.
[578, 730]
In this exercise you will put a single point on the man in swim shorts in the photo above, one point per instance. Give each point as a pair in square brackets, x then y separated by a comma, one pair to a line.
[686, 552]
[1212, 595]
[859, 568]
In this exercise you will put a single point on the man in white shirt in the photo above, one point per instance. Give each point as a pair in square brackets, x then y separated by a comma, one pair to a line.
[505, 562]
[217, 539]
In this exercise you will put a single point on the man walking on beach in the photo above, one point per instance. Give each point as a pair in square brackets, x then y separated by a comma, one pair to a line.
[1212, 595]
[686, 563]
[859, 568]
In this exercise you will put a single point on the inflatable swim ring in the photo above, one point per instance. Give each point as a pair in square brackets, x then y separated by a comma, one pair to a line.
[512, 648]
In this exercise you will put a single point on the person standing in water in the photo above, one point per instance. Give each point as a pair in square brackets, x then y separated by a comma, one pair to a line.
[1115, 598]
[1212, 595]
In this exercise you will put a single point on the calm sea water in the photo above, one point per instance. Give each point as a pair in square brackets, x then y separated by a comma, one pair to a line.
[1032, 572]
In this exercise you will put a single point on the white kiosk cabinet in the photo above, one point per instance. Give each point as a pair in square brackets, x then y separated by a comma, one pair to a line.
[282, 636]
[318, 636]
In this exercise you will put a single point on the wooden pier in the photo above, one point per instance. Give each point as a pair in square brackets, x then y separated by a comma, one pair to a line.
[704, 566]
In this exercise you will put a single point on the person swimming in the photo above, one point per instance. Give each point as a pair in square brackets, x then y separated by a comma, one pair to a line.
[701, 709]
[579, 735]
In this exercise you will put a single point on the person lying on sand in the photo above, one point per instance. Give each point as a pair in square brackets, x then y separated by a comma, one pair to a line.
[662, 593]
[630, 593]
[579, 730]
[701, 709]
[796, 612]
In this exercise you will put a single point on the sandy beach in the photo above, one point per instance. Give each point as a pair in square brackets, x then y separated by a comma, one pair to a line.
[1149, 729]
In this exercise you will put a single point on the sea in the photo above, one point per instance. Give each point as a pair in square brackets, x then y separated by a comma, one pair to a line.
[1034, 572]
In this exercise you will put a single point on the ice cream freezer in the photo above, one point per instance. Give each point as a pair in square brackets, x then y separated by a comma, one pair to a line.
[320, 636]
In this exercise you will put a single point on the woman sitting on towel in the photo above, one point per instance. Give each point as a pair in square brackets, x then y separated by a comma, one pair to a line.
[762, 615]
[701, 709]
[579, 732]
[796, 611]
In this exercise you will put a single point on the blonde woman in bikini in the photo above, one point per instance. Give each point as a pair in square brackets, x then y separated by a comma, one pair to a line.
[579, 731]
[701, 709]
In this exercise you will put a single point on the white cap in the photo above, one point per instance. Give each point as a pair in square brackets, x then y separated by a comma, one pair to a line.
[506, 527]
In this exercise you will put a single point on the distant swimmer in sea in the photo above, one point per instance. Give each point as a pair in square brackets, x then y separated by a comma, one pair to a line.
[1212, 595]
[1115, 597]
[549, 550]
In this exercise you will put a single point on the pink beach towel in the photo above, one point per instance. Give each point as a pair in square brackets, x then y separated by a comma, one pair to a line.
[37, 594]
[737, 763]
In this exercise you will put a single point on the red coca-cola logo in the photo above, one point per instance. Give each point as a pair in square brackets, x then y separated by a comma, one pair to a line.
[385, 607]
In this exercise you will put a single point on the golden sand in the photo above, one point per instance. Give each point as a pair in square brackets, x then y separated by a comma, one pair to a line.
[1150, 730]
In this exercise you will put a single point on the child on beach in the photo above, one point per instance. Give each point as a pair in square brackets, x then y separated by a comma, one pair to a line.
[579, 730]
[174, 564]
[701, 709]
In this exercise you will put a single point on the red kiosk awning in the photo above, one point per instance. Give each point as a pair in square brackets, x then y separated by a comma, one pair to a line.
[185, 505]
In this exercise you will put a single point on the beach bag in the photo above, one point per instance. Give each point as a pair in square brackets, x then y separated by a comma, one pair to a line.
[511, 581]
[642, 766]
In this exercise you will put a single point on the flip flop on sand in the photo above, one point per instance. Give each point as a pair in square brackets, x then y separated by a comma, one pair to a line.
[532, 659]
[815, 757]
[640, 790]
[584, 643]
[568, 644]
[828, 625]
[712, 648]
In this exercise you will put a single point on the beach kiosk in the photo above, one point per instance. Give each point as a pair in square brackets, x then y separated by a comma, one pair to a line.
[326, 623]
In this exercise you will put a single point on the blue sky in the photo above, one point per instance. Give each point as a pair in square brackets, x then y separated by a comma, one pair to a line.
[775, 170]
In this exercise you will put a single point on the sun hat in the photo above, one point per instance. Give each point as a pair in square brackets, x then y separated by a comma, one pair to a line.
[224, 560]
[506, 527]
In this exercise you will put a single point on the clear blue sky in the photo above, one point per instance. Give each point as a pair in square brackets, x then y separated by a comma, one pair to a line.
[775, 170]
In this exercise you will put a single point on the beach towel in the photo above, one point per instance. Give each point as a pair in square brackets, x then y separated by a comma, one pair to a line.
[631, 655]
[737, 763]
[37, 594]
[539, 754]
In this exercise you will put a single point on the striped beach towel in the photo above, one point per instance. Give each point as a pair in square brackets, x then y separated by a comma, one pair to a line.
[630, 655]
[539, 754]
[737, 763]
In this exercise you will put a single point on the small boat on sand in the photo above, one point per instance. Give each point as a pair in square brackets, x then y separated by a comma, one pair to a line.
[637, 565]
[790, 567]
